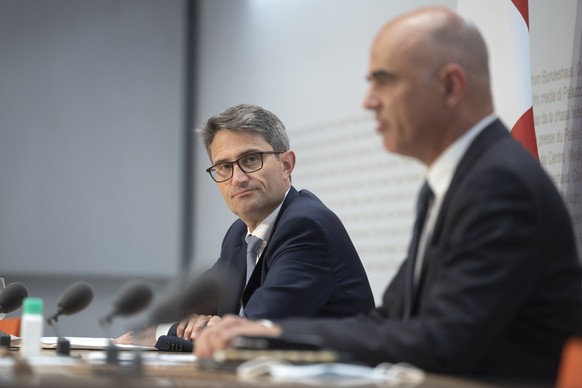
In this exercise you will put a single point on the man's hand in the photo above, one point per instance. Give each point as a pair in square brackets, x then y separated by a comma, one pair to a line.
[221, 334]
[190, 328]
[146, 336]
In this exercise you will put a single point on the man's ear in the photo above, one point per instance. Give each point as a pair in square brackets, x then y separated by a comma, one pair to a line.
[453, 79]
[288, 161]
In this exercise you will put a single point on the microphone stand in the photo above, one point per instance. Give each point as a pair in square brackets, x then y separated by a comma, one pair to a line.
[132, 297]
[112, 352]
[5, 340]
[63, 344]
[135, 368]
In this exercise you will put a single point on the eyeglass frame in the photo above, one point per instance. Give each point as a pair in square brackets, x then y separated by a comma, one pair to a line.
[260, 153]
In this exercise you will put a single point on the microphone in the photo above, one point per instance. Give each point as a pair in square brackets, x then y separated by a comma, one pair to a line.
[74, 299]
[12, 296]
[11, 299]
[131, 298]
[200, 296]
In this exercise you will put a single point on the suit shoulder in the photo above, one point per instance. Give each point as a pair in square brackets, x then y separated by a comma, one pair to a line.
[237, 228]
[306, 203]
[308, 211]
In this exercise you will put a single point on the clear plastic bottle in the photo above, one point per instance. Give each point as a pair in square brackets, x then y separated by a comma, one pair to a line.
[31, 327]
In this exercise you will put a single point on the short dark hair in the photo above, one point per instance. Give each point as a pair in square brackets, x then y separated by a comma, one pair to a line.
[246, 117]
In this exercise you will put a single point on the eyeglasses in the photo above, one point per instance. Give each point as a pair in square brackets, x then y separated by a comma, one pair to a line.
[247, 163]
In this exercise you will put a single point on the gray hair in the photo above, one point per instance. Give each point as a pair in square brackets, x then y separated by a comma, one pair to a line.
[250, 118]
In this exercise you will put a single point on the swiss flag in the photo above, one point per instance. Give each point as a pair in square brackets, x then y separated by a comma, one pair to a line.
[505, 26]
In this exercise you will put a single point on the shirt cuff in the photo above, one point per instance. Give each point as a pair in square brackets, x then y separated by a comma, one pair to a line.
[163, 329]
[265, 322]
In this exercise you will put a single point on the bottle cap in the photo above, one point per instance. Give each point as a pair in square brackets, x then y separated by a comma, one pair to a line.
[32, 306]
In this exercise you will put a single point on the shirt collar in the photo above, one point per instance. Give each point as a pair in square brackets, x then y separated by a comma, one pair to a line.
[440, 173]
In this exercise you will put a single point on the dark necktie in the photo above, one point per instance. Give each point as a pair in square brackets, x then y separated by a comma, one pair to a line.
[424, 197]
[252, 249]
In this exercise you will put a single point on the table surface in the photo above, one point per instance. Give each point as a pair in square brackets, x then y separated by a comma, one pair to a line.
[78, 371]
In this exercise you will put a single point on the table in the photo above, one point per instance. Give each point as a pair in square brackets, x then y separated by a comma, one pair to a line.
[77, 371]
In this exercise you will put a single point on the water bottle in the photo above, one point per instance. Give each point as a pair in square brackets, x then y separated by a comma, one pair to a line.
[31, 327]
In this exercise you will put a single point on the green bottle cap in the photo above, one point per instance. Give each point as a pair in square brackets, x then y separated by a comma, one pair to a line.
[32, 306]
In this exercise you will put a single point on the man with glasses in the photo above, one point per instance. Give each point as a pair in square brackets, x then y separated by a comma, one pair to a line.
[305, 264]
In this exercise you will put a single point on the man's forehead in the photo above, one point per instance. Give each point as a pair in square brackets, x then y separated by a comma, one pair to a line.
[240, 136]
[228, 145]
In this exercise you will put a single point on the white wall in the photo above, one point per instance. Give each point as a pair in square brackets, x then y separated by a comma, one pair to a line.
[556, 41]
[91, 118]
[91, 123]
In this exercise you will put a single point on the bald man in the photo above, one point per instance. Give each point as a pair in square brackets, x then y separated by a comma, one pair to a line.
[493, 289]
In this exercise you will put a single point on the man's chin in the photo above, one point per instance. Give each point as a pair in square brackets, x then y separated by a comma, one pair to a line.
[390, 146]
[243, 210]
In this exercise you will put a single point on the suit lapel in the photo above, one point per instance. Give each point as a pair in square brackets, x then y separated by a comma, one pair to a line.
[235, 275]
[490, 135]
[262, 267]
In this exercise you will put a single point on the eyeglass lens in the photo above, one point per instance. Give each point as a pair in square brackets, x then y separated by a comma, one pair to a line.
[247, 163]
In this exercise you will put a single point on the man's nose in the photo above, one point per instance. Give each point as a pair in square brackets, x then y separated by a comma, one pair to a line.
[370, 101]
[238, 175]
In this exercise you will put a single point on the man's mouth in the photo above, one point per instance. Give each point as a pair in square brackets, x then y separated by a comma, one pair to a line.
[241, 192]
[380, 127]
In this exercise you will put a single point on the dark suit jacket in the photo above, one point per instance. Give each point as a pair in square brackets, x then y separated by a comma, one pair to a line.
[501, 289]
[309, 267]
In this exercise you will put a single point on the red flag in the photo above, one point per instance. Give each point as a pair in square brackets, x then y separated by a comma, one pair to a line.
[524, 129]
[505, 26]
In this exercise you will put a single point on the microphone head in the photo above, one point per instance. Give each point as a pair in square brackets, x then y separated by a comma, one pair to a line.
[131, 298]
[75, 298]
[199, 296]
[165, 311]
[12, 296]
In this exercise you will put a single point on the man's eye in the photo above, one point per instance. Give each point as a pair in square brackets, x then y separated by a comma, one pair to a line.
[225, 167]
[382, 80]
[251, 159]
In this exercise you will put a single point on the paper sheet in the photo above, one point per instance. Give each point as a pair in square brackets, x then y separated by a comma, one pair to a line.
[94, 343]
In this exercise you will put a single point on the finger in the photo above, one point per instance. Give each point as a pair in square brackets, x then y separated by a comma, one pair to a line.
[223, 338]
[123, 339]
[180, 328]
[231, 320]
[202, 350]
[190, 326]
[213, 321]
[249, 328]
[183, 325]
[220, 335]
[199, 326]
[208, 340]
[204, 343]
